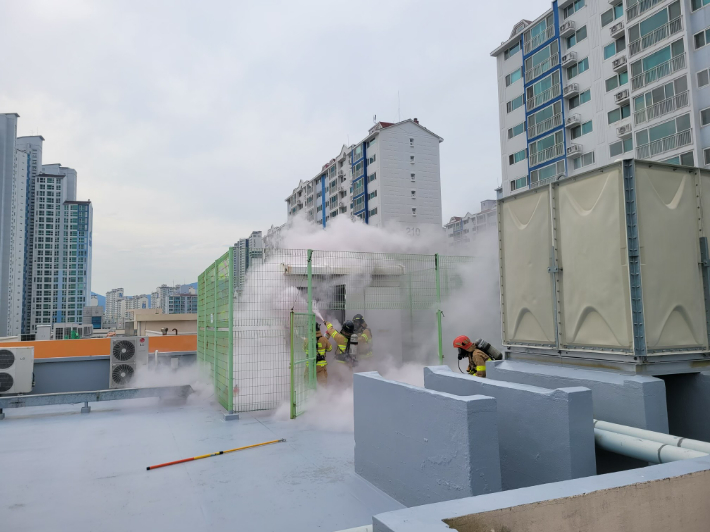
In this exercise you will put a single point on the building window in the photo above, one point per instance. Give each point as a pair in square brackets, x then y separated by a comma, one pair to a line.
[372, 177]
[411, 159]
[612, 14]
[684, 159]
[546, 172]
[623, 146]
[664, 130]
[584, 160]
[579, 131]
[705, 116]
[517, 157]
[616, 81]
[657, 59]
[517, 184]
[697, 4]
[615, 47]
[619, 114]
[414, 211]
[573, 8]
[513, 104]
[372, 194]
[373, 211]
[509, 80]
[414, 177]
[703, 78]
[580, 67]
[578, 36]
[516, 130]
[510, 52]
[706, 155]
[581, 98]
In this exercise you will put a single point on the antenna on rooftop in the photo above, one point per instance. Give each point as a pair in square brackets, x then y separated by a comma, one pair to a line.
[399, 115]
[374, 119]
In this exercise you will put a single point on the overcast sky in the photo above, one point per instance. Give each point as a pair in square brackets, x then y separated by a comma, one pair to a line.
[189, 122]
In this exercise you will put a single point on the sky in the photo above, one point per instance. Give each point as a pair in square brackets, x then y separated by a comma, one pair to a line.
[189, 123]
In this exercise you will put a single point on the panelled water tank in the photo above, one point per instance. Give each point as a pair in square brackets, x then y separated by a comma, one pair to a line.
[609, 265]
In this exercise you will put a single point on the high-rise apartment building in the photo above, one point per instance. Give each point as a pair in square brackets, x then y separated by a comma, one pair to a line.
[181, 303]
[17, 242]
[8, 136]
[112, 312]
[247, 252]
[390, 178]
[32, 145]
[591, 81]
[466, 228]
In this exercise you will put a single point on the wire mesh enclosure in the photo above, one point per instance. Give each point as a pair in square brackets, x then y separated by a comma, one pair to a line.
[287, 291]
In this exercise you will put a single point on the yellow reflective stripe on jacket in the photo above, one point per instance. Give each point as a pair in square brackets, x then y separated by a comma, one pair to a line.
[321, 363]
[480, 368]
[365, 337]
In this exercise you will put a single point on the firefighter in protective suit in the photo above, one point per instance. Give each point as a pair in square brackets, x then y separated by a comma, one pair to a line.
[322, 347]
[364, 336]
[342, 340]
[478, 353]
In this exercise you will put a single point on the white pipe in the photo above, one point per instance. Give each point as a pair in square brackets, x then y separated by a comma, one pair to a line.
[646, 450]
[659, 437]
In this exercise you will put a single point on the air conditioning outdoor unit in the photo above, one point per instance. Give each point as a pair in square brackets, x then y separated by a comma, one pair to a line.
[621, 96]
[569, 57]
[128, 353]
[619, 63]
[16, 366]
[574, 150]
[567, 28]
[616, 29]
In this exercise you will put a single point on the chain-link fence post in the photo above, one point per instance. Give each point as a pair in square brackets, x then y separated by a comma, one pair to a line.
[291, 367]
[311, 325]
[438, 307]
[230, 352]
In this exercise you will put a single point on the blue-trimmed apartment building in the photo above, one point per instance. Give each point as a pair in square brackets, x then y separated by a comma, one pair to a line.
[592, 81]
[391, 177]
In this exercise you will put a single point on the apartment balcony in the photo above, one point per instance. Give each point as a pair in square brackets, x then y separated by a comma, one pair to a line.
[662, 108]
[550, 153]
[624, 131]
[664, 145]
[543, 97]
[656, 36]
[641, 7]
[659, 72]
[621, 97]
[546, 181]
[574, 151]
[545, 125]
[539, 39]
[573, 120]
[543, 67]
[617, 30]
[571, 89]
[569, 58]
[619, 64]
[567, 29]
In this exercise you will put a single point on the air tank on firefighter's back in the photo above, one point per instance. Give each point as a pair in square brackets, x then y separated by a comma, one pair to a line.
[609, 268]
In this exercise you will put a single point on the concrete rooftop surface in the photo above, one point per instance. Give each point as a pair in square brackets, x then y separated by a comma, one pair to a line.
[62, 470]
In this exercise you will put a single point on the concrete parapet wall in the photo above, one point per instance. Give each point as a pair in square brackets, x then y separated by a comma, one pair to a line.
[658, 498]
[544, 435]
[421, 446]
[688, 398]
[633, 400]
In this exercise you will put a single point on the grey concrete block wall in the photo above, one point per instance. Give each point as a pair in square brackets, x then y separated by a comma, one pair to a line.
[634, 400]
[688, 399]
[421, 446]
[544, 435]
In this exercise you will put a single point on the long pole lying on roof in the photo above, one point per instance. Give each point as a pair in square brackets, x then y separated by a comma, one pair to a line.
[213, 454]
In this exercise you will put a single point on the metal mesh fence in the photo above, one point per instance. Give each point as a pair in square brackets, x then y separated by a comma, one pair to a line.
[214, 326]
[273, 329]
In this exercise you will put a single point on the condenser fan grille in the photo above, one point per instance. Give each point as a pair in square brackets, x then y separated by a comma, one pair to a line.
[122, 373]
[7, 358]
[6, 382]
[123, 350]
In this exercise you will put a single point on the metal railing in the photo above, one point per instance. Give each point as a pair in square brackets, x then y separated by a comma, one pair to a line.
[661, 71]
[656, 36]
[543, 97]
[539, 39]
[542, 182]
[545, 125]
[661, 108]
[640, 7]
[543, 67]
[665, 144]
[548, 154]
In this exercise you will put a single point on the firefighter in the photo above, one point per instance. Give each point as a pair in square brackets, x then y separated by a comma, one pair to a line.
[342, 340]
[322, 347]
[477, 353]
[364, 336]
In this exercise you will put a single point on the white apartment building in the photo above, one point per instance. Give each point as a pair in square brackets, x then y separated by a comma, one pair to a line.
[17, 241]
[8, 135]
[32, 145]
[390, 178]
[247, 252]
[466, 228]
[62, 244]
[592, 81]
[113, 311]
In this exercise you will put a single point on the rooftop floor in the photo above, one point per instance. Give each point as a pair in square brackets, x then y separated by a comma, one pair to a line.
[62, 470]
